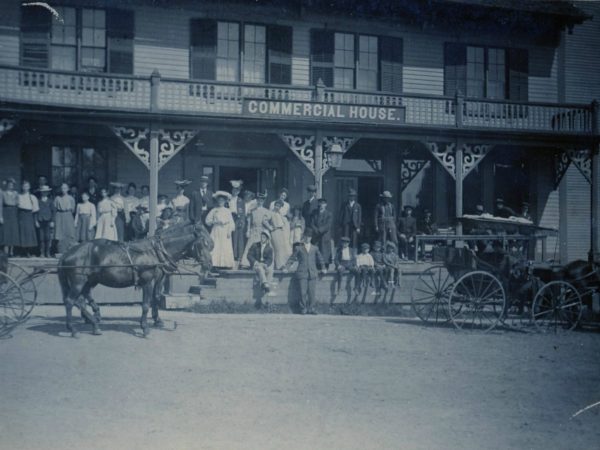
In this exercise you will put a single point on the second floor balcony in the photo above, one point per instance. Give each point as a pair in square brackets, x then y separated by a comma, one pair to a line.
[210, 98]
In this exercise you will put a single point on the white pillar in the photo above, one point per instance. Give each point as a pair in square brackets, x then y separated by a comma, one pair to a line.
[153, 207]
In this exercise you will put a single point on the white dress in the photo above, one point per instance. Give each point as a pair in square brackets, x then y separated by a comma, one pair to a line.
[221, 221]
[105, 226]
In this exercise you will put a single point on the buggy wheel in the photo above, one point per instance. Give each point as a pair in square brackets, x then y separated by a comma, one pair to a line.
[429, 294]
[28, 289]
[12, 305]
[557, 307]
[477, 301]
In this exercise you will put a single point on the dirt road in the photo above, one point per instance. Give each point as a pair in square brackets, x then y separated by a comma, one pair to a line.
[283, 381]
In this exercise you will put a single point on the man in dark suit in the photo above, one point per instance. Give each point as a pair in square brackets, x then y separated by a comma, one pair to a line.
[309, 260]
[351, 217]
[320, 223]
[311, 204]
[201, 201]
[238, 211]
[407, 230]
[260, 256]
[385, 219]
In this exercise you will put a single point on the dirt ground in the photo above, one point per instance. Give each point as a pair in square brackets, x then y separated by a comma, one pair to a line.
[284, 381]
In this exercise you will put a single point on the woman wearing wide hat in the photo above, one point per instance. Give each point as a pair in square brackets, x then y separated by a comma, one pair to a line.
[181, 202]
[220, 220]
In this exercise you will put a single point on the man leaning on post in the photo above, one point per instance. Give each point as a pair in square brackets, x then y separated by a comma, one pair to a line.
[309, 258]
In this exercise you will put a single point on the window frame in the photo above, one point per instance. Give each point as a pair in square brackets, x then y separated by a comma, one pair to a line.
[486, 66]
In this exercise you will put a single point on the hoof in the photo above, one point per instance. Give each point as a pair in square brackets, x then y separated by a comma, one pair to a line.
[97, 332]
[159, 323]
[74, 334]
[145, 331]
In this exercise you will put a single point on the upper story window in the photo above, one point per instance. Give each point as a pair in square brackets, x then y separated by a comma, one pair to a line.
[351, 61]
[486, 72]
[83, 39]
[230, 51]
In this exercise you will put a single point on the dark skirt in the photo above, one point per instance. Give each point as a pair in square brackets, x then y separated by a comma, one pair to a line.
[11, 226]
[120, 225]
[27, 234]
[83, 228]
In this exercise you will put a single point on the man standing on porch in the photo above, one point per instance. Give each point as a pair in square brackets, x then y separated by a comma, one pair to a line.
[320, 223]
[238, 210]
[311, 204]
[201, 202]
[351, 217]
[385, 219]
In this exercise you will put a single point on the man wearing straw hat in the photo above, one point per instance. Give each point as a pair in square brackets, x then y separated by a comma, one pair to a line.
[385, 219]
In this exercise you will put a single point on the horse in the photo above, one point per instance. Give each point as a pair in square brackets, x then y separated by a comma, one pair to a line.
[143, 263]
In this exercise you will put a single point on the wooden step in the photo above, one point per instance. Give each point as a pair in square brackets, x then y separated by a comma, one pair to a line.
[178, 301]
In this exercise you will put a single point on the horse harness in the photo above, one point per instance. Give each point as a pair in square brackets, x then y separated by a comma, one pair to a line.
[165, 261]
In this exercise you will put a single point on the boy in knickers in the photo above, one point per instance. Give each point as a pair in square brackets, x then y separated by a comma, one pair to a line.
[378, 279]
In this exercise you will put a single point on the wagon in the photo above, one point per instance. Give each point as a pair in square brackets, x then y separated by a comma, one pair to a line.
[18, 296]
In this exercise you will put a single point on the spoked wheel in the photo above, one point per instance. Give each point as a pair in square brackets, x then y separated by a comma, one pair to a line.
[12, 306]
[28, 289]
[429, 295]
[477, 301]
[557, 307]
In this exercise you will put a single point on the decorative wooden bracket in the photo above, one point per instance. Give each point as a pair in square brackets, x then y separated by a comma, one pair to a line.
[303, 146]
[583, 162]
[170, 142]
[6, 125]
[409, 169]
[473, 154]
[561, 164]
[375, 165]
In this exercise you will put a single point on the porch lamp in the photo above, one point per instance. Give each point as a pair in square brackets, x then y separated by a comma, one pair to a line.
[334, 155]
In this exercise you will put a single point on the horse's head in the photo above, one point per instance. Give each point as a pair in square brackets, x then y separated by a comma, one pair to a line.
[202, 246]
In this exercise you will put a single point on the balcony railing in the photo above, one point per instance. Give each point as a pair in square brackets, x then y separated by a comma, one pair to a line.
[128, 93]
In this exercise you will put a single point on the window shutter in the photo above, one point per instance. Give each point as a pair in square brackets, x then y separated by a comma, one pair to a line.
[36, 24]
[391, 57]
[120, 30]
[203, 48]
[322, 52]
[455, 68]
[518, 79]
[279, 41]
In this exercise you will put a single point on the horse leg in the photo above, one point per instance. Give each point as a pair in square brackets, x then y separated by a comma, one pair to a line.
[86, 315]
[147, 292]
[156, 291]
[69, 311]
[95, 308]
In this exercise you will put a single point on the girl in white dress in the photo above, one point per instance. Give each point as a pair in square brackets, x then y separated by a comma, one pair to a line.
[107, 212]
[284, 212]
[181, 203]
[85, 219]
[222, 225]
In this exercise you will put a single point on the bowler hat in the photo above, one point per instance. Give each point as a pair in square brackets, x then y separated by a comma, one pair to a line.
[499, 200]
[311, 188]
[204, 178]
[365, 246]
[262, 195]
[182, 183]
[377, 244]
[322, 200]
[351, 192]
[45, 189]
[386, 194]
[236, 184]
[345, 239]
[407, 207]
[308, 232]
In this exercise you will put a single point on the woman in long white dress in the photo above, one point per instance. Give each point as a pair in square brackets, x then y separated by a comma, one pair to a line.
[220, 220]
[284, 211]
[280, 240]
[106, 214]
[181, 202]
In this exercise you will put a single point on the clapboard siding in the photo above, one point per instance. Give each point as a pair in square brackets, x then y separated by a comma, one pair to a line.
[546, 203]
[301, 55]
[582, 61]
[162, 42]
[543, 74]
[9, 33]
[423, 71]
[575, 216]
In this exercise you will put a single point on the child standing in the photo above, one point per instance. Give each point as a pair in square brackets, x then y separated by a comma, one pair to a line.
[364, 268]
[181, 203]
[379, 268]
[64, 223]
[28, 208]
[391, 260]
[107, 211]
[85, 219]
[46, 221]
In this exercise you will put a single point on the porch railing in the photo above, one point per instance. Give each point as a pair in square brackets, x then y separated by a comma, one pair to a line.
[129, 93]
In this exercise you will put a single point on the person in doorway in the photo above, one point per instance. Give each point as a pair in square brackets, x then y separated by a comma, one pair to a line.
[28, 207]
[93, 191]
[258, 220]
[221, 224]
[130, 202]
[297, 226]
[502, 210]
[107, 213]
[320, 222]
[280, 235]
[64, 222]
[45, 219]
[201, 202]
[309, 261]
[311, 204]
[181, 202]
[119, 202]
[407, 230]
[238, 210]
[10, 215]
[85, 219]
[525, 212]
[350, 218]
[385, 219]
[260, 256]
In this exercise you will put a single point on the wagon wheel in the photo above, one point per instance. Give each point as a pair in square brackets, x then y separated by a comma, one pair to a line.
[12, 305]
[28, 288]
[557, 307]
[477, 301]
[429, 295]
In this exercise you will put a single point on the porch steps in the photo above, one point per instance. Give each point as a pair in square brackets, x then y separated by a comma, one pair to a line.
[179, 301]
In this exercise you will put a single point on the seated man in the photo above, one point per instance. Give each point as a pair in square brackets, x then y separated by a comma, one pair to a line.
[378, 269]
[407, 230]
[260, 257]
[391, 271]
[427, 226]
[364, 268]
[345, 261]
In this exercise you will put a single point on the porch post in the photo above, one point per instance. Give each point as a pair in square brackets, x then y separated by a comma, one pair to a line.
[595, 186]
[319, 163]
[458, 180]
[153, 180]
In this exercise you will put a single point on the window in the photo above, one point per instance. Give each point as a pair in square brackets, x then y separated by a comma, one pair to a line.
[344, 61]
[321, 54]
[391, 64]
[486, 72]
[254, 53]
[74, 165]
[368, 63]
[86, 39]
[280, 54]
[228, 51]
[64, 166]
[203, 57]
